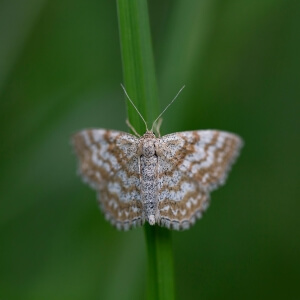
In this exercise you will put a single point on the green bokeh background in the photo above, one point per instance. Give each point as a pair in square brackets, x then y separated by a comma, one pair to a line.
[60, 71]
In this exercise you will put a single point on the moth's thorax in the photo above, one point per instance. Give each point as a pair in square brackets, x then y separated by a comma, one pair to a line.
[147, 144]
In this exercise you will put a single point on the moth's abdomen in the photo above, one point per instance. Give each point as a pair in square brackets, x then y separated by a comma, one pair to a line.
[149, 187]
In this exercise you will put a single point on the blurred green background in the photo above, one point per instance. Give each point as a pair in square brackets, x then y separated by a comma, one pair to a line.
[60, 71]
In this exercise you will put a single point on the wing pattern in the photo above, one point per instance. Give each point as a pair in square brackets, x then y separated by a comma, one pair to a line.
[108, 162]
[190, 165]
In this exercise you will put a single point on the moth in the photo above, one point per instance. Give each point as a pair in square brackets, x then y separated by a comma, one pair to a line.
[160, 180]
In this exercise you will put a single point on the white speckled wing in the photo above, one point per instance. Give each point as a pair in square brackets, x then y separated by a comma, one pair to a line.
[109, 163]
[190, 165]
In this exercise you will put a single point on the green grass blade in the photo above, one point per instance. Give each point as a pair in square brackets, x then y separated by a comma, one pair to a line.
[138, 62]
[140, 83]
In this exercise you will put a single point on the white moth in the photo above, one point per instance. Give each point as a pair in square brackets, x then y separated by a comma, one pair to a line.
[162, 180]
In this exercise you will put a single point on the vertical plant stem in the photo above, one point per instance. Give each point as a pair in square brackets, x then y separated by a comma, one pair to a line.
[140, 83]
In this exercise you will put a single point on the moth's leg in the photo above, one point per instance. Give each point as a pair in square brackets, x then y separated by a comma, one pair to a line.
[157, 126]
[132, 128]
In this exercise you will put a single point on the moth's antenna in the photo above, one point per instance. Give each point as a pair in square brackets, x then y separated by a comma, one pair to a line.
[134, 106]
[167, 107]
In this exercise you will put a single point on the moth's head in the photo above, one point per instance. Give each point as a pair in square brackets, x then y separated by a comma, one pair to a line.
[149, 135]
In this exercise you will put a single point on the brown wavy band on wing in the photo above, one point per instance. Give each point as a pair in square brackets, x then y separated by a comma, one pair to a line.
[93, 173]
[184, 210]
[181, 153]
[119, 211]
[223, 158]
